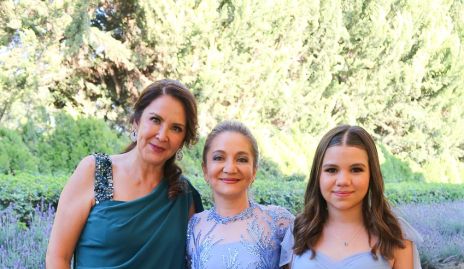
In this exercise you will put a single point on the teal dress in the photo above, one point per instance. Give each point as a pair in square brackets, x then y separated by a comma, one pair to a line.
[149, 232]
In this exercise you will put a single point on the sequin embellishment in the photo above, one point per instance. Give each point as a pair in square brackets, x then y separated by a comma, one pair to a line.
[245, 214]
[103, 187]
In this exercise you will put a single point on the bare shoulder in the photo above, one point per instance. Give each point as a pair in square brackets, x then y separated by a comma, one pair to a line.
[85, 171]
[81, 182]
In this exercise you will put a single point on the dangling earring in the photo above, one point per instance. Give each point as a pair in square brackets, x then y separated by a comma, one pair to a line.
[179, 154]
[133, 136]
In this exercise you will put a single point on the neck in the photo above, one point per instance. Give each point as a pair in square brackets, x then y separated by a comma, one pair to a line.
[142, 171]
[227, 207]
[352, 216]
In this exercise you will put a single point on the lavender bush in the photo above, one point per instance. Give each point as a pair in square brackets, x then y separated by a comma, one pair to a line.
[441, 225]
[22, 245]
[442, 228]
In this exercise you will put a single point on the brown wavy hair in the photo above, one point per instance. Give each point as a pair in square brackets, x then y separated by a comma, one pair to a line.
[172, 171]
[377, 214]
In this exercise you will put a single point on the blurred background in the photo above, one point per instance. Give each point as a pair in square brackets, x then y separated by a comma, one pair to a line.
[289, 69]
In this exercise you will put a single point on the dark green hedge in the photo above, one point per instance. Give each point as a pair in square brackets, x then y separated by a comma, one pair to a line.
[26, 191]
[57, 149]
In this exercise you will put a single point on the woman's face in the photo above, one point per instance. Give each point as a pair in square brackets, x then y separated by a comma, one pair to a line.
[161, 130]
[229, 166]
[344, 179]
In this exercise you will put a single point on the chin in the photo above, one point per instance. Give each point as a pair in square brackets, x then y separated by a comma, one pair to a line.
[229, 194]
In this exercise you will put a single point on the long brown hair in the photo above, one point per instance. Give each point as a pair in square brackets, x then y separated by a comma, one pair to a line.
[377, 214]
[172, 171]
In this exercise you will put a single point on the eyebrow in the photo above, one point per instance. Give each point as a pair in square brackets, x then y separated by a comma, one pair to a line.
[162, 119]
[358, 164]
[355, 164]
[238, 153]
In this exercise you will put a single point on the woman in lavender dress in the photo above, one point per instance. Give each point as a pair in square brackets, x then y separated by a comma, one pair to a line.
[346, 222]
[236, 232]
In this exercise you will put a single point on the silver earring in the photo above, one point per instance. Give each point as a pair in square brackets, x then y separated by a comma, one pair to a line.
[179, 154]
[133, 136]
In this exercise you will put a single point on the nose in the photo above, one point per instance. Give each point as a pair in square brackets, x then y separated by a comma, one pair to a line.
[343, 178]
[162, 134]
[229, 167]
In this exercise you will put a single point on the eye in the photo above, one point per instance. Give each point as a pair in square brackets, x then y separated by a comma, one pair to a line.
[177, 129]
[357, 169]
[217, 158]
[242, 160]
[330, 170]
[155, 120]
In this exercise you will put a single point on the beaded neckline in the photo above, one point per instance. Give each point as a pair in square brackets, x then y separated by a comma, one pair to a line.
[248, 212]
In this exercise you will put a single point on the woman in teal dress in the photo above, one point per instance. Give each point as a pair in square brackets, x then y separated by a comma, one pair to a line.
[346, 222]
[131, 210]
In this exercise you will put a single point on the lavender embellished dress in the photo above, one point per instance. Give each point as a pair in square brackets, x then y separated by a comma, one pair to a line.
[250, 239]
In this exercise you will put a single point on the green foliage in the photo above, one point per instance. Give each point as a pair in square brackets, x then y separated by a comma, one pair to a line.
[38, 147]
[444, 169]
[396, 170]
[26, 191]
[72, 139]
[14, 154]
[398, 193]
[393, 67]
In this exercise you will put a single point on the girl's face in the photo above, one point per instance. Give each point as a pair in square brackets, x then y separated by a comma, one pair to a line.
[344, 179]
[229, 166]
[161, 129]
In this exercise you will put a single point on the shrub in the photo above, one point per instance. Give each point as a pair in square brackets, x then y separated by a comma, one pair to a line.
[26, 191]
[14, 154]
[396, 170]
[72, 139]
[399, 193]
[441, 226]
[24, 246]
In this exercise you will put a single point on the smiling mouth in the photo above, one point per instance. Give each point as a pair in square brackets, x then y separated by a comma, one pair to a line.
[229, 180]
[342, 193]
[157, 148]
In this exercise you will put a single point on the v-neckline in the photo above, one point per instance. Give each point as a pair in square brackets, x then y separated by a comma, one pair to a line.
[342, 260]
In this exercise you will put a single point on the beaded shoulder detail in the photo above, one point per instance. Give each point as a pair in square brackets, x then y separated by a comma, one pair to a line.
[103, 186]
[245, 214]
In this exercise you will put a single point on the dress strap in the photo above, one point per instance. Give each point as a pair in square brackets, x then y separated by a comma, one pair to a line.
[103, 186]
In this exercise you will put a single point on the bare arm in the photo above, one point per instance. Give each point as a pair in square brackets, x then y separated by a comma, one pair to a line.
[191, 210]
[404, 256]
[74, 206]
